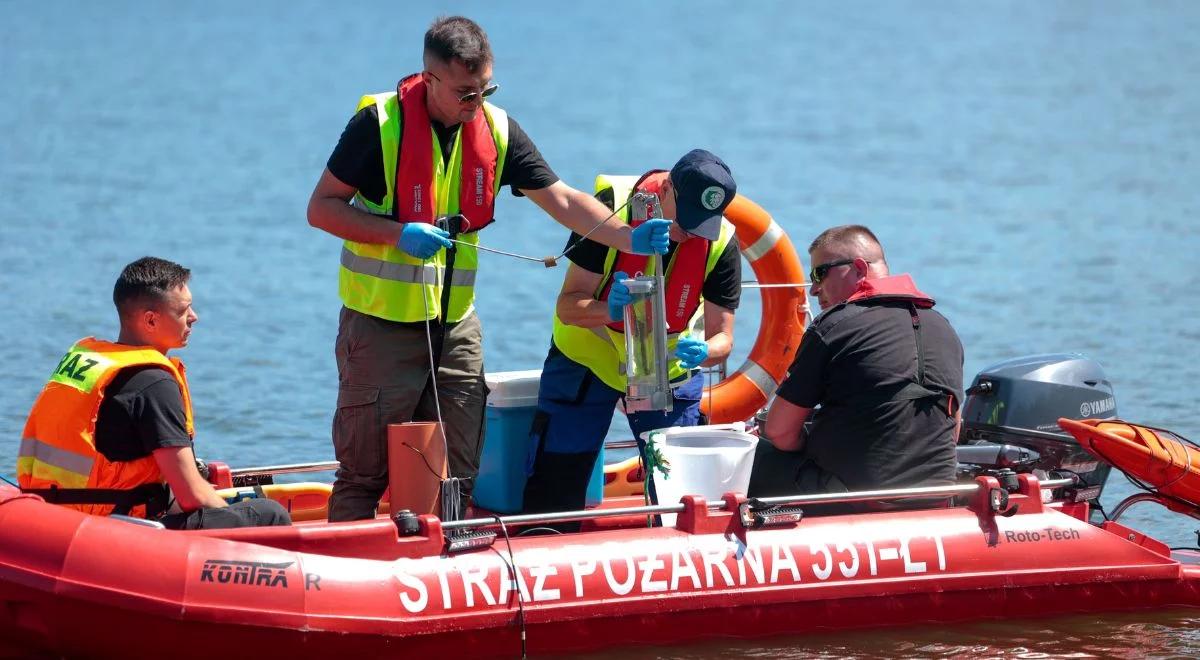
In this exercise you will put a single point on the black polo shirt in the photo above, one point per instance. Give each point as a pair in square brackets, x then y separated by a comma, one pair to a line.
[853, 361]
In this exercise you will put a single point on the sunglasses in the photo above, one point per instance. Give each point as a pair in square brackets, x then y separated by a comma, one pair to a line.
[818, 273]
[472, 96]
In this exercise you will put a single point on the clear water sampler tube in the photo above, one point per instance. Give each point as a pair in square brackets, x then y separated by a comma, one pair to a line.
[649, 386]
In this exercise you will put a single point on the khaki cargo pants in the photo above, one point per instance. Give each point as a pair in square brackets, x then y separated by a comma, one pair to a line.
[383, 378]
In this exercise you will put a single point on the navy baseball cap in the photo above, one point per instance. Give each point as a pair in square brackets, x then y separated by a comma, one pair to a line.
[704, 186]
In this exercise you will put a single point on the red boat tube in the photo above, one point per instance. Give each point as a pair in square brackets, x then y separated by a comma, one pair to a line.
[88, 586]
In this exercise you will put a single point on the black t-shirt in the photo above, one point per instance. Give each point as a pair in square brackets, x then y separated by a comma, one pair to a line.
[357, 160]
[142, 411]
[722, 287]
[853, 361]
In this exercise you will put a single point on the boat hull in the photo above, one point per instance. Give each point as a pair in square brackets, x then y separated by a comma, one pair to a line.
[95, 587]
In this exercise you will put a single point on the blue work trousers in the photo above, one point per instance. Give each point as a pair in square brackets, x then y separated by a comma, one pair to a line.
[575, 409]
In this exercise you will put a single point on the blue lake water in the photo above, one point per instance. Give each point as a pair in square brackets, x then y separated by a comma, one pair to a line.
[1033, 164]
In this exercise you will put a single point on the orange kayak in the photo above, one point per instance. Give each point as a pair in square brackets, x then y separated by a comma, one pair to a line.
[1159, 458]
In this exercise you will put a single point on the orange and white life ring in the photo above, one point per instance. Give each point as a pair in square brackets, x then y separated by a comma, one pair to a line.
[784, 309]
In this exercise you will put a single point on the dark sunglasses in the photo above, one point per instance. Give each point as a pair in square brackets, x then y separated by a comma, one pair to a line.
[818, 273]
[472, 96]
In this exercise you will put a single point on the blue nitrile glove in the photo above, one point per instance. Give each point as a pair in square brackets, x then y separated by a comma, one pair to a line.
[618, 297]
[423, 240]
[652, 236]
[691, 352]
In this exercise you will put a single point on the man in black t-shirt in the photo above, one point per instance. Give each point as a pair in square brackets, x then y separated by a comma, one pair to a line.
[114, 424]
[886, 371]
[433, 152]
[583, 378]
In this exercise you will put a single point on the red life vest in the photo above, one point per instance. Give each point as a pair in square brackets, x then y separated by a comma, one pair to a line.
[684, 274]
[895, 286]
[414, 191]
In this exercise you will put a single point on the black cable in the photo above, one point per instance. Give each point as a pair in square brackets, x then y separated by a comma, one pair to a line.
[9, 482]
[512, 568]
[424, 460]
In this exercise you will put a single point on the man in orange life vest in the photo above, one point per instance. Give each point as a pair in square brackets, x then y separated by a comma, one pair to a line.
[583, 377]
[417, 165]
[113, 427]
[886, 370]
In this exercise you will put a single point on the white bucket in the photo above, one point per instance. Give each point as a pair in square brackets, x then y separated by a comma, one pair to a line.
[708, 461]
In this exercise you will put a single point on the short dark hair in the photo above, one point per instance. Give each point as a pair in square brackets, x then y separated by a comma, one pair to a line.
[845, 235]
[144, 284]
[459, 38]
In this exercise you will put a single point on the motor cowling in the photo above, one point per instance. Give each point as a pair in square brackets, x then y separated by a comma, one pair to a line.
[1018, 402]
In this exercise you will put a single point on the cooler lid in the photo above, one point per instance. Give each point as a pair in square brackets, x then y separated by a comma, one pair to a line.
[513, 389]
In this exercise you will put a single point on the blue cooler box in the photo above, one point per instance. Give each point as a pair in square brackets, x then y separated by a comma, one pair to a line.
[500, 486]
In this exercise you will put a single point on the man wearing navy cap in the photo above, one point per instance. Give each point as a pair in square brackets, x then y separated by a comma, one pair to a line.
[583, 376]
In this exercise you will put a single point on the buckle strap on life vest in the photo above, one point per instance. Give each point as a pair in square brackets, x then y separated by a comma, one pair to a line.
[154, 496]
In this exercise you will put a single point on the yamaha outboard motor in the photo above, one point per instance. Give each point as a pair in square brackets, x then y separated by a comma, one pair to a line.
[1016, 404]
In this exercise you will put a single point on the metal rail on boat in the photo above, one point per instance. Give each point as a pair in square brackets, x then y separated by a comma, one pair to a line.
[823, 498]
[326, 466]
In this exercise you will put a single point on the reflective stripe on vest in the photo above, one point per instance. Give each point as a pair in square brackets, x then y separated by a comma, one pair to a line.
[58, 446]
[602, 349]
[384, 281]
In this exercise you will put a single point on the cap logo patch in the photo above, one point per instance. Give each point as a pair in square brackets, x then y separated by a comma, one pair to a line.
[712, 197]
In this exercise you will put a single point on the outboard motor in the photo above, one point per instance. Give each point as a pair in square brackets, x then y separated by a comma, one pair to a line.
[1010, 417]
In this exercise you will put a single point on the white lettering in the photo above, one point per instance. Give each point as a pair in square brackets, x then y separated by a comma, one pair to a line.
[541, 572]
[648, 565]
[847, 570]
[822, 572]
[757, 566]
[507, 582]
[678, 569]
[620, 588]
[445, 584]
[410, 603]
[716, 558]
[580, 568]
[781, 557]
[910, 566]
[476, 577]
[871, 559]
[937, 539]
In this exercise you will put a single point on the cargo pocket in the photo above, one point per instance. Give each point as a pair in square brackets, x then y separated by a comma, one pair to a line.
[357, 431]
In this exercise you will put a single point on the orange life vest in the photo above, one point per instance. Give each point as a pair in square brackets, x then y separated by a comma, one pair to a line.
[414, 170]
[58, 458]
[684, 274]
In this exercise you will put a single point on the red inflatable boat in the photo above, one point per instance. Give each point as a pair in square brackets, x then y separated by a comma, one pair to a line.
[84, 586]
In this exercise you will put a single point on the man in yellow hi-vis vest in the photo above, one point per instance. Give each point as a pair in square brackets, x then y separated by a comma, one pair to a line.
[412, 168]
[583, 377]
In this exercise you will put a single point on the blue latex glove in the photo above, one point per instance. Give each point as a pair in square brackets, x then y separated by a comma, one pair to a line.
[652, 236]
[423, 240]
[691, 352]
[618, 297]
